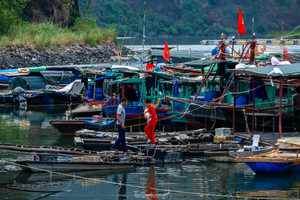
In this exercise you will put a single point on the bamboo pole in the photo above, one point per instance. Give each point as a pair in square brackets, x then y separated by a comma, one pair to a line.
[234, 103]
[253, 104]
[280, 109]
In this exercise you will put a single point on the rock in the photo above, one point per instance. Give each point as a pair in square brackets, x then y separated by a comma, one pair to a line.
[78, 53]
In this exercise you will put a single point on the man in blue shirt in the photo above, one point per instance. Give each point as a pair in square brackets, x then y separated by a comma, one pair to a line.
[121, 125]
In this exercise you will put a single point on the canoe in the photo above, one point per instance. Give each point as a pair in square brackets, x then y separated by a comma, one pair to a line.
[229, 155]
[279, 161]
[71, 126]
[63, 166]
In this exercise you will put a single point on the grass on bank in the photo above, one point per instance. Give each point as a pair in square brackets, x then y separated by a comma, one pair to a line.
[294, 35]
[41, 35]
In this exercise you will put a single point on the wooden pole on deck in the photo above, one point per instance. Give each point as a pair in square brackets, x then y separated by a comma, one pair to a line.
[112, 95]
[234, 98]
[280, 109]
[233, 41]
[253, 105]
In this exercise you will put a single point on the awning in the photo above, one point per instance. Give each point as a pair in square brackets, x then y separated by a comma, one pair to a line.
[162, 75]
[179, 54]
[102, 78]
[205, 63]
[287, 70]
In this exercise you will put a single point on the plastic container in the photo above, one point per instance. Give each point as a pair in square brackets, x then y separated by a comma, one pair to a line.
[99, 94]
[210, 95]
[241, 101]
[90, 91]
[199, 98]
[97, 119]
[178, 106]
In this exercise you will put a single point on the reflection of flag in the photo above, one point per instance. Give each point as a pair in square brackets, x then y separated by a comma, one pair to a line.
[166, 53]
[264, 48]
[286, 56]
[241, 25]
[150, 66]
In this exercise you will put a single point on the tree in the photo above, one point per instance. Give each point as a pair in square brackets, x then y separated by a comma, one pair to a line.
[10, 12]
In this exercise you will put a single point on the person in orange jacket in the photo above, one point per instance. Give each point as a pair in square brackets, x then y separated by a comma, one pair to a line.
[150, 128]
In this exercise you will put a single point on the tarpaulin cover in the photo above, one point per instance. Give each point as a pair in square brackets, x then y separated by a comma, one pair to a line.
[28, 83]
[55, 77]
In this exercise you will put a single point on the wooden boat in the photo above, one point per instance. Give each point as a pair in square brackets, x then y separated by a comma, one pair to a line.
[279, 161]
[84, 110]
[83, 163]
[71, 126]
[229, 155]
[68, 94]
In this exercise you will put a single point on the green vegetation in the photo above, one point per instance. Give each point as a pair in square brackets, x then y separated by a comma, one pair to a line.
[207, 18]
[15, 30]
[10, 12]
[294, 35]
[48, 34]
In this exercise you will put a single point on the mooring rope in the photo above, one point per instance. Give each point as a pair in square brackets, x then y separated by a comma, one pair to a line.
[142, 187]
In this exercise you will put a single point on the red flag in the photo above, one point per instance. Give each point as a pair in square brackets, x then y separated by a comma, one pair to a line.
[149, 66]
[166, 53]
[241, 25]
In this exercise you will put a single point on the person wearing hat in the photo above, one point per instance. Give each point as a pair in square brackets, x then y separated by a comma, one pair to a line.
[296, 109]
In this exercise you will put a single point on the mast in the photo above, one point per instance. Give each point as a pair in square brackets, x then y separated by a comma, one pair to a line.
[144, 27]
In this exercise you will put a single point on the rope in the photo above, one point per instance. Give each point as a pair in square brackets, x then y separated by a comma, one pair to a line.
[140, 187]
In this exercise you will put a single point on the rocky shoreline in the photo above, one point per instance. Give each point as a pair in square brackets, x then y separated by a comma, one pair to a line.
[28, 56]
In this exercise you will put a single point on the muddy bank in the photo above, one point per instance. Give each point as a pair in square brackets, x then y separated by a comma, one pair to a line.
[28, 56]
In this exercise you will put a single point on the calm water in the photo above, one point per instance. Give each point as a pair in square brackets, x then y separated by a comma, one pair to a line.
[195, 175]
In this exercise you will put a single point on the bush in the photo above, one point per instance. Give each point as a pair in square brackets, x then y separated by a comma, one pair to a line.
[48, 34]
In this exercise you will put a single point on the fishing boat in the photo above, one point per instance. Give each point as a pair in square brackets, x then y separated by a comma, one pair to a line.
[279, 161]
[68, 94]
[230, 154]
[82, 163]
[78, 123]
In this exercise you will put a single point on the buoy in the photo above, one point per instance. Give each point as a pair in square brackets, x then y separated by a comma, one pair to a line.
[23, 70]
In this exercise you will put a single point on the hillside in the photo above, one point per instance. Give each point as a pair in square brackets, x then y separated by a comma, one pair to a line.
[194, 17]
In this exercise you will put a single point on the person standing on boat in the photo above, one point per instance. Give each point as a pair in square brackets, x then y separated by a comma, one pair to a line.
[121, 126]
[150, 128]
[296, 109]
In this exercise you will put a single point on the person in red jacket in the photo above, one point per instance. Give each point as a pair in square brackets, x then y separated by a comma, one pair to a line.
[150, 128]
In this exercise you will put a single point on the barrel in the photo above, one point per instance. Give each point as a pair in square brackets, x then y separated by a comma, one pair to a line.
[241, 101]
[210, 95]
[99, 94]
[178, 106]
[90, 91]
[97, 119]
[199, 98]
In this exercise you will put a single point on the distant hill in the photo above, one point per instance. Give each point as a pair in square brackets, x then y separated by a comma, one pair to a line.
[195, 17]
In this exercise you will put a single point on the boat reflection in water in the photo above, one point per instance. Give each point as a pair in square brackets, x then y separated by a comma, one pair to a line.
[205, 177]
[280, 186]
[151, 185]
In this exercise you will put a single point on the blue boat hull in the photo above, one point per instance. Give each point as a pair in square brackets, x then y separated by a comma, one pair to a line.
[272, 167]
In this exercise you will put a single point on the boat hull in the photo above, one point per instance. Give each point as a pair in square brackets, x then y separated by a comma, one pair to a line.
[71, 126]
[34, 166]
[223, 117]
[229, 155]
[64, 98]
[273, 167]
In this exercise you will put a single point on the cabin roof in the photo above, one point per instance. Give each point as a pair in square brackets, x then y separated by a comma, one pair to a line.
[162, 75]
[206, 62]
[178, 54]
[287, 70]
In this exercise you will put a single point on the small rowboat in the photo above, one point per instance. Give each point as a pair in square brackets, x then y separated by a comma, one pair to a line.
[83, 163]
[279, 161]
[229, 155]
[71, 126]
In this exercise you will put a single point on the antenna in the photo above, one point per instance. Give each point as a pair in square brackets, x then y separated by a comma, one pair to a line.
[144, 27]
[252, 25]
